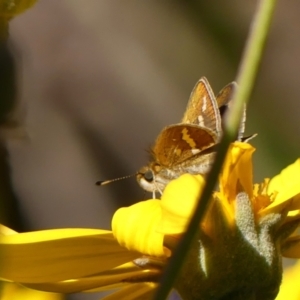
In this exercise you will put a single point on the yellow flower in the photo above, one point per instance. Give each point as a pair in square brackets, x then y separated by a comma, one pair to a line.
[11, 291]
[290, 288]
[66, 260]
[237, 253]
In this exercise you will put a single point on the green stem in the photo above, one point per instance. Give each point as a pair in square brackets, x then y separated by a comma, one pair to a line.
[246, 75]
[250, 61]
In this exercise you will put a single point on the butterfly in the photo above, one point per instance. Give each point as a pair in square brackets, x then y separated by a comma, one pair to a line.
[189, 146]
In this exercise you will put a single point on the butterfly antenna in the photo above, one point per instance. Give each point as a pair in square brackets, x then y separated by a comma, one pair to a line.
[104, 182]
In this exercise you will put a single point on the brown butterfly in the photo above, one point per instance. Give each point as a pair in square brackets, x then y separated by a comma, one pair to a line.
[189, 147]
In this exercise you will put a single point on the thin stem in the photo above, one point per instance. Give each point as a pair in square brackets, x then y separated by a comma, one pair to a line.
[250, 61]
[246, 75]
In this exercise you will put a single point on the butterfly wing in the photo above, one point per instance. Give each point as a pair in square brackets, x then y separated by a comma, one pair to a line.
[177, 143]
[225, 95]
[224, 102]
[202, 108]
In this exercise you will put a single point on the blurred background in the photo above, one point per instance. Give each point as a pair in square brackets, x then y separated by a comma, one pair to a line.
[94, 83]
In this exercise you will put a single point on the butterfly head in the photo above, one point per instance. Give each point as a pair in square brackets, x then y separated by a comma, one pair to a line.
[149, 179]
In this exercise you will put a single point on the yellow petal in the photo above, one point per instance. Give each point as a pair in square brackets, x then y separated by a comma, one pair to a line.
[137, 291]
[290, 288]
[237, 170]
[135, 227]
[285, 186]
[291, 248]
[178, 203]
[107, 280]
[89, 284]
[292, 215]
[6, 231]
[59, 254]
[11, 291]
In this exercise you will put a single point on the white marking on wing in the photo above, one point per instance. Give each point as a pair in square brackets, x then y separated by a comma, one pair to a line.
[201, 120]
[204, 105]
[195, 151]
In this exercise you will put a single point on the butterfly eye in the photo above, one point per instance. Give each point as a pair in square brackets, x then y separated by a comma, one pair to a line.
[149, 176]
